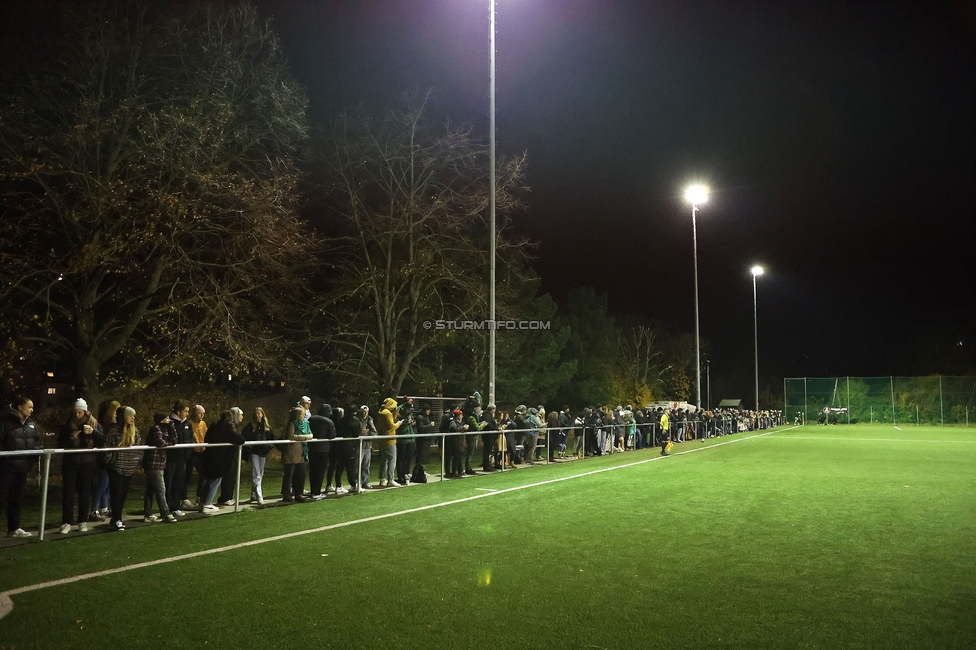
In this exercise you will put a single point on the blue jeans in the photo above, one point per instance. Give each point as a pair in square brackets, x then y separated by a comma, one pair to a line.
[210, 487]
[388, 455]
[101, 493]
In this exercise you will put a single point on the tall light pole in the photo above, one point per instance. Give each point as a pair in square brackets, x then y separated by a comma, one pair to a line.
[491, 191]
[696, 194]
[756, 272]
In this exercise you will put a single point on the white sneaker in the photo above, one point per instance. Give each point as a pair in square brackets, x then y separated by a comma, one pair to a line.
[209, 508]
[393, 484]
[179, 513]
[189, 505]
[20, 533]
[340, 490]
[83, 527]
[228, 502]
[65, 529]
[151, 519]
[318, 497]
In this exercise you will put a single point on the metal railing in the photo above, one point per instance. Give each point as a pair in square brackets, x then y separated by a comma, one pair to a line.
[706, 428]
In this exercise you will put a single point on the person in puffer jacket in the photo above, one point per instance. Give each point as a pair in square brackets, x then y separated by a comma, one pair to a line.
[17, 433]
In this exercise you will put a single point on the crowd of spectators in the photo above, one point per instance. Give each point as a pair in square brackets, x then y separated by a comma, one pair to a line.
[317, 449]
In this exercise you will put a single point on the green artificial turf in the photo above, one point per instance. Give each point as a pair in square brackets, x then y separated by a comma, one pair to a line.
[815, 537]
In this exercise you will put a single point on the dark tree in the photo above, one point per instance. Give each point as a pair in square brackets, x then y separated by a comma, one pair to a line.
[149, 190]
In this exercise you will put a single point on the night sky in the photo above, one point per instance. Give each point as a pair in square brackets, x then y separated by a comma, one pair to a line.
[837, 137]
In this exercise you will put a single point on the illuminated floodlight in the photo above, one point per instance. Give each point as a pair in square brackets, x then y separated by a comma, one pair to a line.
[696, 194]
[757, 270]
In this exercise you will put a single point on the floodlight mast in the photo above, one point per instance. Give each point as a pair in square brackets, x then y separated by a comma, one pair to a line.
[696, 194]
[756, 272]
[491, 192]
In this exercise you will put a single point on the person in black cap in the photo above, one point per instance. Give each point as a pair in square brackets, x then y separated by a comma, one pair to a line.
[424, 425]
[489, 438]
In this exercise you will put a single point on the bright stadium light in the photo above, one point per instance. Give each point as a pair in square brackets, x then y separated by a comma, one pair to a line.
[696, 194]
[756, 272]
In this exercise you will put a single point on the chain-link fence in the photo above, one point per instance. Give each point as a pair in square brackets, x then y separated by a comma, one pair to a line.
[934, 400]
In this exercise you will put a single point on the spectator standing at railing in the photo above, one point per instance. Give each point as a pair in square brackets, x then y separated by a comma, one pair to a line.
[454, 444]
[216, 461]
[531, 438]
[199, 426]
[387, 423]
[520, 420]
[174, 475]
[424, 425]
[474, 425]
[100, 510]
[231, 473]
[293, 456]
[508, 427]
[17, 433]
[322, 428]
[406, 443]
[351, 427]
[81, 431]
[122, 464]
[367, 456]
[161, 435]
[555, 435]
[489, 438]
[258, 430]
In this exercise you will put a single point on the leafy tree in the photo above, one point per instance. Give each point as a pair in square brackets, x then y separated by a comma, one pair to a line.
[149, 189]
[406, 206]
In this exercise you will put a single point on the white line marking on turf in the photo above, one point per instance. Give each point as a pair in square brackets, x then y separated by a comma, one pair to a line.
[964, 442]
[487, 489]
[6, 604]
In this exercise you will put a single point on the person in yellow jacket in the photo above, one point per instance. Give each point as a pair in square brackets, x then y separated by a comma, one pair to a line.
[387, 425]
[665, 434]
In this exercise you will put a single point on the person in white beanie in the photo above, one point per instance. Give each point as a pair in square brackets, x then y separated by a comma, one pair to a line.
[80, 431]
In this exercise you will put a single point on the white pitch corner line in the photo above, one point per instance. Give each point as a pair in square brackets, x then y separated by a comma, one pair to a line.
[6, 604]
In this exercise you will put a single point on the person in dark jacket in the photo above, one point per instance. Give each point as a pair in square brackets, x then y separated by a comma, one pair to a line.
[454, 444]
[175, 473]
[345, 453]
[81, 431]
[122, 464]
[322, 428]
[489, 438]
[424, 425]
[160, 436]
[258, 430]
[217, 460]
[17, 433]
[406, 443]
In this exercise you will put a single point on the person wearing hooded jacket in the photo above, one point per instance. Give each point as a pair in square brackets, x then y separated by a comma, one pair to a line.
[80, 431]
[322, 428]
[345, 453]
[122, 464]
[17, 433]
[258, 430]
[217, 461]
[387, 425]
[160, 436]
[424, 425]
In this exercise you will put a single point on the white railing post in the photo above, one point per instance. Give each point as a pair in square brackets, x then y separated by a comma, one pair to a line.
[237, 482]
[44, 485]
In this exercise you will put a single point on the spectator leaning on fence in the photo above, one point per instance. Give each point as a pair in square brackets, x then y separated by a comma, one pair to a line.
[293, 456]
[199, 426]
[174, 475]
[387, 425]
[217, 460]
[424, 425]
[160, 436]
[258, 430]
[322, 428]
[122, 464]
[106, 418]
[17, 433]
[80, 431]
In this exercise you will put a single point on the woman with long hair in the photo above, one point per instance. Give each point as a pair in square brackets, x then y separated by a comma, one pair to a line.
[17, 433]
[122, 464]
[106, 418]
[258, 430]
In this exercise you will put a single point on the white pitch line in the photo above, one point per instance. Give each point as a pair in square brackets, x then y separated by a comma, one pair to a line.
[7, 605]
[964, 442]
[487, 489]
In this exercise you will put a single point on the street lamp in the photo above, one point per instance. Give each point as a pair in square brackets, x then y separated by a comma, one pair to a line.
[694, 195]
[756, 272]
[491, 192]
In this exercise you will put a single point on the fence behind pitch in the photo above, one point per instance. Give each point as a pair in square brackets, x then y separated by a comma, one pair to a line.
[933, 400]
